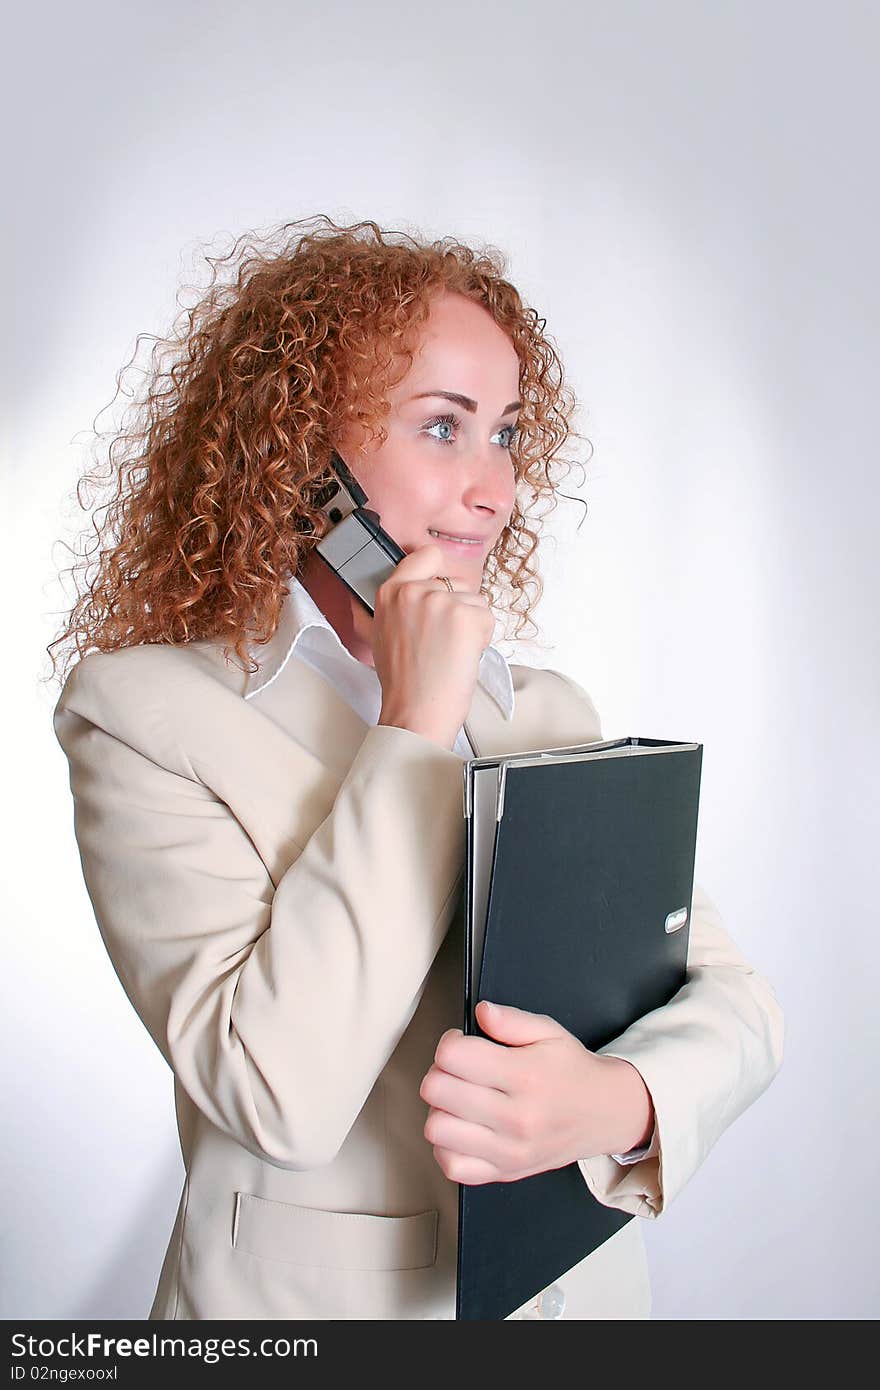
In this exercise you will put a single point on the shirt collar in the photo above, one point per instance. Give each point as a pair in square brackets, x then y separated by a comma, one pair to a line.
[300, 614]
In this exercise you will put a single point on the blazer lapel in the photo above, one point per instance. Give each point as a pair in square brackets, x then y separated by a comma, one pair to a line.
[278, 758]
[311, 709]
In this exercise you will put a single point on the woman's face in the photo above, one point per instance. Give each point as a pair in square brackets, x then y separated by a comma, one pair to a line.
[446, 465]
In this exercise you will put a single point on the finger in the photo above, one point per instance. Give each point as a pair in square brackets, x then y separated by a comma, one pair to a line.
[461, 1168]
[432, 583]
[460, 595]
[425, 564]
[482, 1104]
[479, 1060]
[462, 1136]
[436, 582]
[422, 563]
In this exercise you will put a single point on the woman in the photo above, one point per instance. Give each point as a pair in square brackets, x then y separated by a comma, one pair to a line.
[274, 846]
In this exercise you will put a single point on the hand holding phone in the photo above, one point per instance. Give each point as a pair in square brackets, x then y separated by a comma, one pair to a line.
[427, 644]
[427, 641]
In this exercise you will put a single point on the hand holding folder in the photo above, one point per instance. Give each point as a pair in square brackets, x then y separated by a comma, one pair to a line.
[578, 885]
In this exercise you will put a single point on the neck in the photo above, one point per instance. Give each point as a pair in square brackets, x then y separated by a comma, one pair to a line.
[346, 614]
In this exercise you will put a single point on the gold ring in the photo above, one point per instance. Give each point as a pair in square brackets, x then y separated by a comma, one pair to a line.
[445, 581]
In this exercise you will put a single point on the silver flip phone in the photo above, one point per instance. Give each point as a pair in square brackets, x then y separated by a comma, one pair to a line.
[356, 547]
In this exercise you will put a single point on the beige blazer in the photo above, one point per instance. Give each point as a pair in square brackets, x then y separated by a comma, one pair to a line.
[278, 885]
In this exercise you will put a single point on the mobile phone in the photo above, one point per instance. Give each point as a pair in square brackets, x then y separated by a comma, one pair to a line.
[355, 547]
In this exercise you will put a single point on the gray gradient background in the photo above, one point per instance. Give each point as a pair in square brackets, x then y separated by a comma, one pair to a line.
[685, 191]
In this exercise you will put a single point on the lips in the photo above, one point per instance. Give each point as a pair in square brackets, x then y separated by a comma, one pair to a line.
[463, 542]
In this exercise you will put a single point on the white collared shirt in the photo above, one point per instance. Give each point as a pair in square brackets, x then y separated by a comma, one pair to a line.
[311, 637]
[307, 635]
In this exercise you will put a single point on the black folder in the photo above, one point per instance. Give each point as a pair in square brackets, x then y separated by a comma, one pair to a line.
[578, 891]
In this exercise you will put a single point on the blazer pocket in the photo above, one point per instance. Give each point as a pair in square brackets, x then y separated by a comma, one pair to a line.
[333, 1239]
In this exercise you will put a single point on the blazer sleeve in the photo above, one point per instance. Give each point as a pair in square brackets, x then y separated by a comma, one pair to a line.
[705, 1057]
[277, 1006]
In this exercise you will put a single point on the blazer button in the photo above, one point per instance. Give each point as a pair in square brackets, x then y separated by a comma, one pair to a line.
[551, 1303]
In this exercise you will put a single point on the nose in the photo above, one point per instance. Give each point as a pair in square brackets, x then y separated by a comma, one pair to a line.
[488, 481]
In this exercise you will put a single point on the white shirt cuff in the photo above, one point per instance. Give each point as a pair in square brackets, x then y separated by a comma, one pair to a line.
[635, 1155]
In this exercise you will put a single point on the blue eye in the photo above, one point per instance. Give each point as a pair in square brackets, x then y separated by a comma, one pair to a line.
[449, 421]
[453, 422]
[512, 433]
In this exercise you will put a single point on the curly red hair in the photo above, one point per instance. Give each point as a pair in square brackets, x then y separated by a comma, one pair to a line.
[218, 465]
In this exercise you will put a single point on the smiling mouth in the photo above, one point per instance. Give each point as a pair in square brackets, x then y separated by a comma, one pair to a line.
[457, 540]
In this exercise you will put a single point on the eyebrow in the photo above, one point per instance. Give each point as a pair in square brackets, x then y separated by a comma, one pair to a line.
[464, 401]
